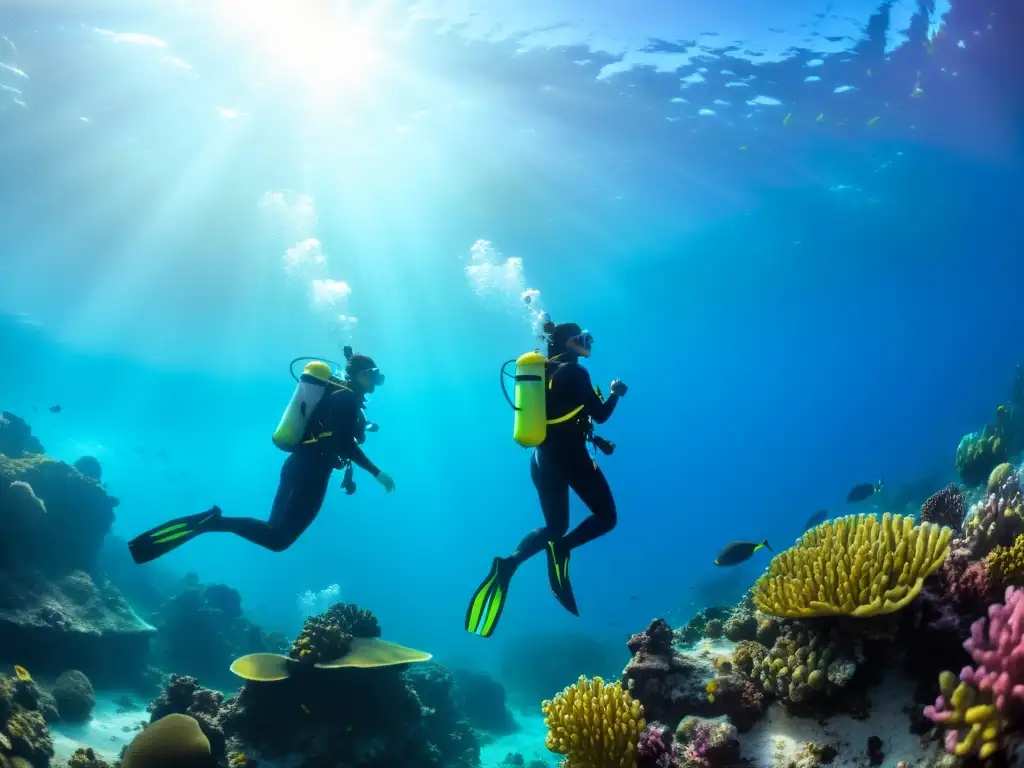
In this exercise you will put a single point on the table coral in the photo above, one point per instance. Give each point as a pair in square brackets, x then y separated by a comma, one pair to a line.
[858, 565]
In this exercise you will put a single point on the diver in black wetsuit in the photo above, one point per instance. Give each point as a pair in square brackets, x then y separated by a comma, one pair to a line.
[333, 435]
[561, 462]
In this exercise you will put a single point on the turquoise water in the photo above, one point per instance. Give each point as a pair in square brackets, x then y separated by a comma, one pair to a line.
[806, 283]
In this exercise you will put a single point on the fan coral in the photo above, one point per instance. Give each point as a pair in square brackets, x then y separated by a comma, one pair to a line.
[945, 507]
[856, 565]
[594, 725]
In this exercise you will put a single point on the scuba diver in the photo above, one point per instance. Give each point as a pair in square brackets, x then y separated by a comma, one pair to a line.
[322, 429]
[560, 461]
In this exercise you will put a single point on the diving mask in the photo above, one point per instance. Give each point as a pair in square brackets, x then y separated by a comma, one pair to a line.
[584, 340]
[376, 377]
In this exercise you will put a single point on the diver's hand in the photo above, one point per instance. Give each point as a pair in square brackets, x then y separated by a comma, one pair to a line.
[618, 387]
[385, 479]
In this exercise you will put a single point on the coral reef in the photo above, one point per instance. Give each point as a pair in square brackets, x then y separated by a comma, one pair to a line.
[704, 623]
[945, 507]
[706, 743]
[16, 439]
[85, 757]
[807, 661]
[651, 749]
[1005, 565]
[74, 696]
[994, 521]
[55, 610]
[369, 717]
[856, 565]
[90, 467]
[202, 630]
[482, 699]
[23, 732]
[980, 452]
[594, 725]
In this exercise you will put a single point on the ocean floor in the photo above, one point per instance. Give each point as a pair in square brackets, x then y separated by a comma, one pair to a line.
[528, 742]
[114, 723]
[777, 739]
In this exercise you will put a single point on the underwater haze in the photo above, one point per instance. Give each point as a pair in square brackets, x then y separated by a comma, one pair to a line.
[793, 229]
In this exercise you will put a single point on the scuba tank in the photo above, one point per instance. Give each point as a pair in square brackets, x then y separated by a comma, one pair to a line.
[310, 388]
[530, 425]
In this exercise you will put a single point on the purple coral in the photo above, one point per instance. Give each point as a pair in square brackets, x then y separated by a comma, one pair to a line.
[945, 507]
[997, 647]
[651, 750]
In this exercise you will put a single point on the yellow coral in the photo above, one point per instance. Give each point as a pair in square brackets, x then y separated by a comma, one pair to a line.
[856, 565]
[594, 724]
[21, 673]
[973, 714]
[1006, 564]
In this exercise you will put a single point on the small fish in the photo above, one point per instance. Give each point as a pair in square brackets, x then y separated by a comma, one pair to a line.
[304, 708]
[816, 519]
[736, 552]
[863, 491]
[820, 118]
[874, 120]
[54, 409]
[634, 597]
[787, 118]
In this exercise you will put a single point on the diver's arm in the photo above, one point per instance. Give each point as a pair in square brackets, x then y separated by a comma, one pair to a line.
[599, 410]
[345, 412]
[360, 460]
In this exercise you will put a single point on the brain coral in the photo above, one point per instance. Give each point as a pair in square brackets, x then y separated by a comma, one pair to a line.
[858, 565]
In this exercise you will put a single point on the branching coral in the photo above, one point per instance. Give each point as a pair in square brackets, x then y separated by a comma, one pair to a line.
[856, 565]
[976, 710]
[945, 507]
[595, 725]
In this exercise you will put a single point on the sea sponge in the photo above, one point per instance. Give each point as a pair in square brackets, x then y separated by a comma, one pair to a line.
[1006, 564]
[856, 565]
[748, 655]
[594, 724]
[175, 741]
[74, 696]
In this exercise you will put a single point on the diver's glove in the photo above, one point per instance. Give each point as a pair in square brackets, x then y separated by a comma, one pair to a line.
[347, 482]
[619, 388]
[385, 479]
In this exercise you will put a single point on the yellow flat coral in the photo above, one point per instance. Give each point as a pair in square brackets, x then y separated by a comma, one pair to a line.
[594, 724]
[858, 565]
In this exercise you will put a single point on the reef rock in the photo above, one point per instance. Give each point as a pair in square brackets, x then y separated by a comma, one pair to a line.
[71, 622]
[23, 732]
[482, 698]
[202, 630]
[670, 685]
[66, 531]
[16, 439]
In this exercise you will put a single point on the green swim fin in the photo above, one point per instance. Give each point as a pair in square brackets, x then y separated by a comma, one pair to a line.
[171, 535]
[489, 599]
[558, 575]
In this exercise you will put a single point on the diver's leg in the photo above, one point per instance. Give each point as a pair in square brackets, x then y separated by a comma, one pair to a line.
[299, 497]
[590, 484]
[553, 492]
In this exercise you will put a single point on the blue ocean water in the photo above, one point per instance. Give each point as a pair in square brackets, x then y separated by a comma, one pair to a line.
[794, 232]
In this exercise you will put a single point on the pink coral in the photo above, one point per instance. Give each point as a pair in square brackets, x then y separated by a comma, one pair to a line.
[997, 647]
[651, 749]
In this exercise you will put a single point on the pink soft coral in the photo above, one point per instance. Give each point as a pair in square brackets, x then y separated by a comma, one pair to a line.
[997, 647]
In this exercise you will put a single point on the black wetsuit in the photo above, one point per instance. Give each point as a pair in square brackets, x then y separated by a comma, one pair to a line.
[562, 462]
[307, 472]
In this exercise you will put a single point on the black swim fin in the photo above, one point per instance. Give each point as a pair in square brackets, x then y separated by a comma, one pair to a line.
[171, 535]
[489, 599]
[558, 575]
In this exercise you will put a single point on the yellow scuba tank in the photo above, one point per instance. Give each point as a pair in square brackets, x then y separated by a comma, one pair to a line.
[309, 391]
[530, 426]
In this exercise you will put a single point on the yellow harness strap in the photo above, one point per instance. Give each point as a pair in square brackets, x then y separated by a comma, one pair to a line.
[570, 415]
